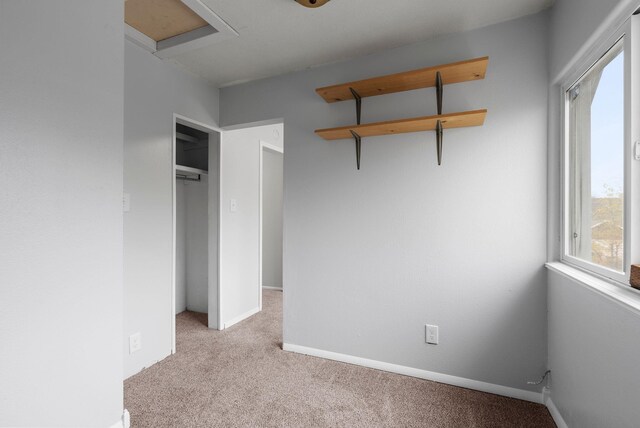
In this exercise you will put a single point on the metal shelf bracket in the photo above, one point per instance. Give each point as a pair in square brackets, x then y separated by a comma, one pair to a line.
[439, 91]
[439, 141]
[358, 99]
[358, 141]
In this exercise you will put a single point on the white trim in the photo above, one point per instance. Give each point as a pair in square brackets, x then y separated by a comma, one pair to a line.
[241, 317]
[173, 235]
[224, 30]
[598, 49]
[260, 207]
[124, 421]
[626, 297]
[271, 147]
[201, 126]
[521, 394]
[267, 287]
[182, 43]
[255, 124]
[555, 413]
[139, 38]
[610, 25]
[213, 205]
[217, 31]
[220, 205]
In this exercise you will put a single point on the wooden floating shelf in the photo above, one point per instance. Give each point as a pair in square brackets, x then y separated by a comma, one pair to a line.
[438, 76]
[401, 126]
[463, 71]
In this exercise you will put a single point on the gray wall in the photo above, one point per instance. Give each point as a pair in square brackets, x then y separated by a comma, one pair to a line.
[192, 245]
[61, 95]
[240, 289]
[197, 246]
[181, 246]
[272, 164]
[371, 256]
[192, 228]
[575, 23]
[593, 345]
[593, 356]
[154, 91]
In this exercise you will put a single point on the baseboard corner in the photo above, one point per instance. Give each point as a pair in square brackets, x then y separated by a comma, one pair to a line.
[241, 317]
[555, 413]
[124, 421]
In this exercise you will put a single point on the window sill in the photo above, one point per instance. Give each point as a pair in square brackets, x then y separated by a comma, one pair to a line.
[629, 298]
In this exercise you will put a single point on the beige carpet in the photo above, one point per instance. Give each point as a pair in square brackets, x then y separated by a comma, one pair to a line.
[240, 377]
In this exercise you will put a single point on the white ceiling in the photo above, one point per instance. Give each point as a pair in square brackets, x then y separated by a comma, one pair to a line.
[279, 36]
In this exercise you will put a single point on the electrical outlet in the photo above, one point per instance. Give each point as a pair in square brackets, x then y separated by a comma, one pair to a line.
[233, 206]
[431, 334]
[135, 343]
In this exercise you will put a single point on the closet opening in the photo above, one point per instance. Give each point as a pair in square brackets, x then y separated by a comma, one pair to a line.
[195, 191]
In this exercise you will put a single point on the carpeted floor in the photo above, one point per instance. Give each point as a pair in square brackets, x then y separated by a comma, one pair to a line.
[240, 377]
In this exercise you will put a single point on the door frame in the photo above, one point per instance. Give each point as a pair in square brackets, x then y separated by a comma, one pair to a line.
[184, 120]
[274, 149]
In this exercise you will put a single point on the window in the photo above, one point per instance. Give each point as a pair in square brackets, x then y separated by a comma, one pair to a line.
[597, 137]
[596, 123]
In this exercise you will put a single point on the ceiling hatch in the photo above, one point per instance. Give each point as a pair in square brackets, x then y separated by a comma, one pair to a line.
[170, 27]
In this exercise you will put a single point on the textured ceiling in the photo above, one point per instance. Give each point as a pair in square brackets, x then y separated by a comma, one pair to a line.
[279, 36]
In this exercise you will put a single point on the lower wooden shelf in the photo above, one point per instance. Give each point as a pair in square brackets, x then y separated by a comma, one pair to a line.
[401, 126]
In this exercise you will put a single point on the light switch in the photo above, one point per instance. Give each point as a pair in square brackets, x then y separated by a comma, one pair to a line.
[135, 343]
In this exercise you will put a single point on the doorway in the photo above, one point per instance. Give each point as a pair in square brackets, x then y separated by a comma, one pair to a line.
[196, 154]
[271, 205]
[227, 239]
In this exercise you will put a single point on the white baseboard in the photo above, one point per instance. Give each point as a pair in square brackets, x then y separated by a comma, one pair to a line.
[555, 414]
[477, 385]
[241, 317]
[266, 287]
[124, 422]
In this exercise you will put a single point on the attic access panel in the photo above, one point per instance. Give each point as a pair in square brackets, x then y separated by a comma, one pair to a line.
[161, 19]
[169, 27]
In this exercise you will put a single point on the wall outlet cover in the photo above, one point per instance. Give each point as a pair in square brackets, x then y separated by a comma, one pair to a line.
[431, 334]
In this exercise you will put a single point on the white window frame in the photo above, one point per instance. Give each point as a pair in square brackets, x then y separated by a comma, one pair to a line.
[631, 37]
